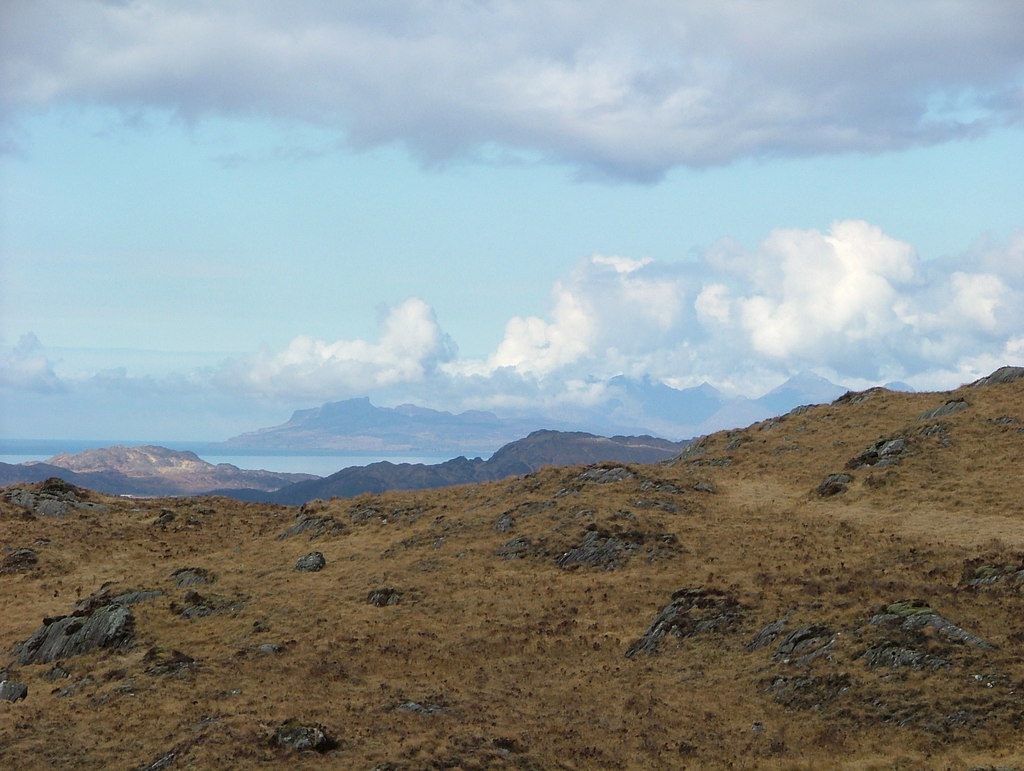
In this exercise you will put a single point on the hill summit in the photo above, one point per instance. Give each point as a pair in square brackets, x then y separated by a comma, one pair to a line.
[836, 587]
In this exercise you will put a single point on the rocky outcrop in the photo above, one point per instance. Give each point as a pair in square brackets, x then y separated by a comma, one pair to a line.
[109, 626]
[691, 612]
[1001, 375]
[53, 498]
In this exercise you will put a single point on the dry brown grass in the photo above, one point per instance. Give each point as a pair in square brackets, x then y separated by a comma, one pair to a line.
[526, 660]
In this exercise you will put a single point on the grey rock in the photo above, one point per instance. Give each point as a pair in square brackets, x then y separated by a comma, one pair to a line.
[951, 407]
[834, 484]
[917, 616]
[19, 561]
[889, 654]
[110, 626]
[768, 634]
[11, 690]
[504, 522]
[196, 605]
[805, 644]
[311, 563]
[173, 663]
[691, 612]
[301, 737]
[417, 707]
[520, 546]
[384, 597]
[192, 576]
[705, 487]
[596, 550]
[605, 475]
[314, 526]
[884, 452]
[1001, 375]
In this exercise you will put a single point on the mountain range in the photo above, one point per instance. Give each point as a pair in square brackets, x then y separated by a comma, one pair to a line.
[632, 406]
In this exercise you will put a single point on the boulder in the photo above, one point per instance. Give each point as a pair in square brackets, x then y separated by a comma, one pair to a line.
[884, 452]
[301, 737]
[109, 626]
[11, 690]
[311, 562]
[833, 484]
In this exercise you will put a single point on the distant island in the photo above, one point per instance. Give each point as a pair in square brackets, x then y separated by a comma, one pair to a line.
[157, 471]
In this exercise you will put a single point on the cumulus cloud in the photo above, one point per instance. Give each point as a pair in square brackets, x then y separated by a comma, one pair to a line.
[622, 89]
[25, 367]
[410, 348]
[852, 303]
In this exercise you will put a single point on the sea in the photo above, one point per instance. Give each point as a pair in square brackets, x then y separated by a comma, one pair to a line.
[322, 463]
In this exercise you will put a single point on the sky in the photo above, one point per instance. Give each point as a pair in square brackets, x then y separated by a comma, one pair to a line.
[215, 212]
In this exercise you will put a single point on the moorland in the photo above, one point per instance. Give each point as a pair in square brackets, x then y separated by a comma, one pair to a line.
[836, 587]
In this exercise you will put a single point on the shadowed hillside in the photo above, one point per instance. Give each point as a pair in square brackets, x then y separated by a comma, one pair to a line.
[839, 587]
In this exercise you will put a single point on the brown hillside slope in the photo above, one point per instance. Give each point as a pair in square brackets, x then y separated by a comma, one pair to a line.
[874, 628]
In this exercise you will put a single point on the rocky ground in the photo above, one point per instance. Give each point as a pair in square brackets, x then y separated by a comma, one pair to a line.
[840, 587]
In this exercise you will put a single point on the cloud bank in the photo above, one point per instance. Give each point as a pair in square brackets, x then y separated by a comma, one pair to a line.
[851, 304]
[626, 90]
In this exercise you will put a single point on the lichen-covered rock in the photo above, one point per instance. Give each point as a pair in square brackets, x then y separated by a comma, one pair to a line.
[311, 563]
[916, 615]
[110, 626]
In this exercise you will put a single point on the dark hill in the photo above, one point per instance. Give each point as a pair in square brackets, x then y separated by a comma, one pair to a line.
[539, 449]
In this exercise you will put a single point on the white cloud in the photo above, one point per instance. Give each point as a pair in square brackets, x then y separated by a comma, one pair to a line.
[25, 367]
[411, 346]
[625, 89]
[852, 304]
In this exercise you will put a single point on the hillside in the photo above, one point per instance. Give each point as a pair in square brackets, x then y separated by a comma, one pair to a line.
[838, 587]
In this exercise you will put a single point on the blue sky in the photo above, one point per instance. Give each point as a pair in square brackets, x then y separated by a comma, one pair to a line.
[212, 213]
